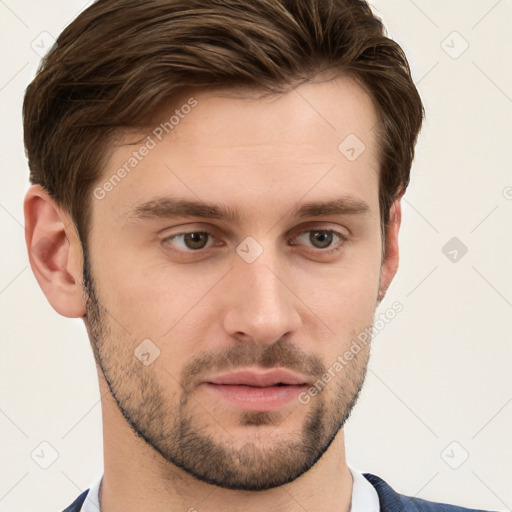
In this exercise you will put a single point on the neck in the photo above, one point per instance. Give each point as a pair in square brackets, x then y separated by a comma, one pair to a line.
[137, 479]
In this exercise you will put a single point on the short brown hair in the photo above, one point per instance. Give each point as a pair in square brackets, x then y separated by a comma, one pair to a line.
[119, 60]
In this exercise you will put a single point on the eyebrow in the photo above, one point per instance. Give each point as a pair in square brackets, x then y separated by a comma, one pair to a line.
[169, 207]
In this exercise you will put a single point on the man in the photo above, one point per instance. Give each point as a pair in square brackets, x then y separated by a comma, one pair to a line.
[216, 191]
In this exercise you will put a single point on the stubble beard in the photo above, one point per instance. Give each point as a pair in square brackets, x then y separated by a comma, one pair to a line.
[183, 441]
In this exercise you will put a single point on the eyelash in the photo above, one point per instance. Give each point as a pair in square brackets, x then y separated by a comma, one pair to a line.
[338, 247]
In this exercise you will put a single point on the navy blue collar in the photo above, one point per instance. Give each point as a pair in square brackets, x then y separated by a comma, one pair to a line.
[390, 501]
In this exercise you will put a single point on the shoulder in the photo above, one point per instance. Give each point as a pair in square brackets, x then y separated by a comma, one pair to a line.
[76, 506]
[391, 501]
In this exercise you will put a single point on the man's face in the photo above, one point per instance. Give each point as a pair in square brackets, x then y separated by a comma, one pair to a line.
[269, 289]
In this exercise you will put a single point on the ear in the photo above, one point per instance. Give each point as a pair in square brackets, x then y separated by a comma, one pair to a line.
[54, 251]
[390, 254]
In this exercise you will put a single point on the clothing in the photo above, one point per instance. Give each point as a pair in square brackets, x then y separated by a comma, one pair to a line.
[364, 495]
[92, 501]
[366, 489]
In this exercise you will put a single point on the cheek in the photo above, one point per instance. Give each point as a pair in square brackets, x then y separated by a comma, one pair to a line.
[346, 305]
[343, 299]
[346, 288]
[153, 299]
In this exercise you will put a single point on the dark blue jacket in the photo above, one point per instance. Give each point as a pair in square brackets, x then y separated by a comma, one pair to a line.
[390, 501]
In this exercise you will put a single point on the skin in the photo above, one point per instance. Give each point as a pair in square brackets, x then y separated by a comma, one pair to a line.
[168, 443]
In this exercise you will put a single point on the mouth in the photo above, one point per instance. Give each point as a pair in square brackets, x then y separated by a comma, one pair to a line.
[257, 391]
[256, 398]
[276, 377]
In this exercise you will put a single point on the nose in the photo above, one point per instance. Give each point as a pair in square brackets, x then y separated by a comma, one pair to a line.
[261, 303]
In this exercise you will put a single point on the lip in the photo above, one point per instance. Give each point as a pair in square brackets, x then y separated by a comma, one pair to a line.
[257, 391]
[259, 379]
[255, 398]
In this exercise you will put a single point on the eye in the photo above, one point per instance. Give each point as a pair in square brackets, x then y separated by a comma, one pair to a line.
[193, 240]
[322, 239]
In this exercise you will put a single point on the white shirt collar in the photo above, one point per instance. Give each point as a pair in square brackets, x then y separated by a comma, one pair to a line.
[364, 495]
[92, 502]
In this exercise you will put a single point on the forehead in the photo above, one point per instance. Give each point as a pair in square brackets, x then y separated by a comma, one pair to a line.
[322, 112]
[220, 144]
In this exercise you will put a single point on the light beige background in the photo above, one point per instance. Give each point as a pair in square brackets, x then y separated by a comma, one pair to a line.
[439, 386]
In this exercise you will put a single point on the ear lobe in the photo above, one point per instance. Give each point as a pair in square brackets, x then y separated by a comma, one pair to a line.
[390, 258]
[54, 252]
